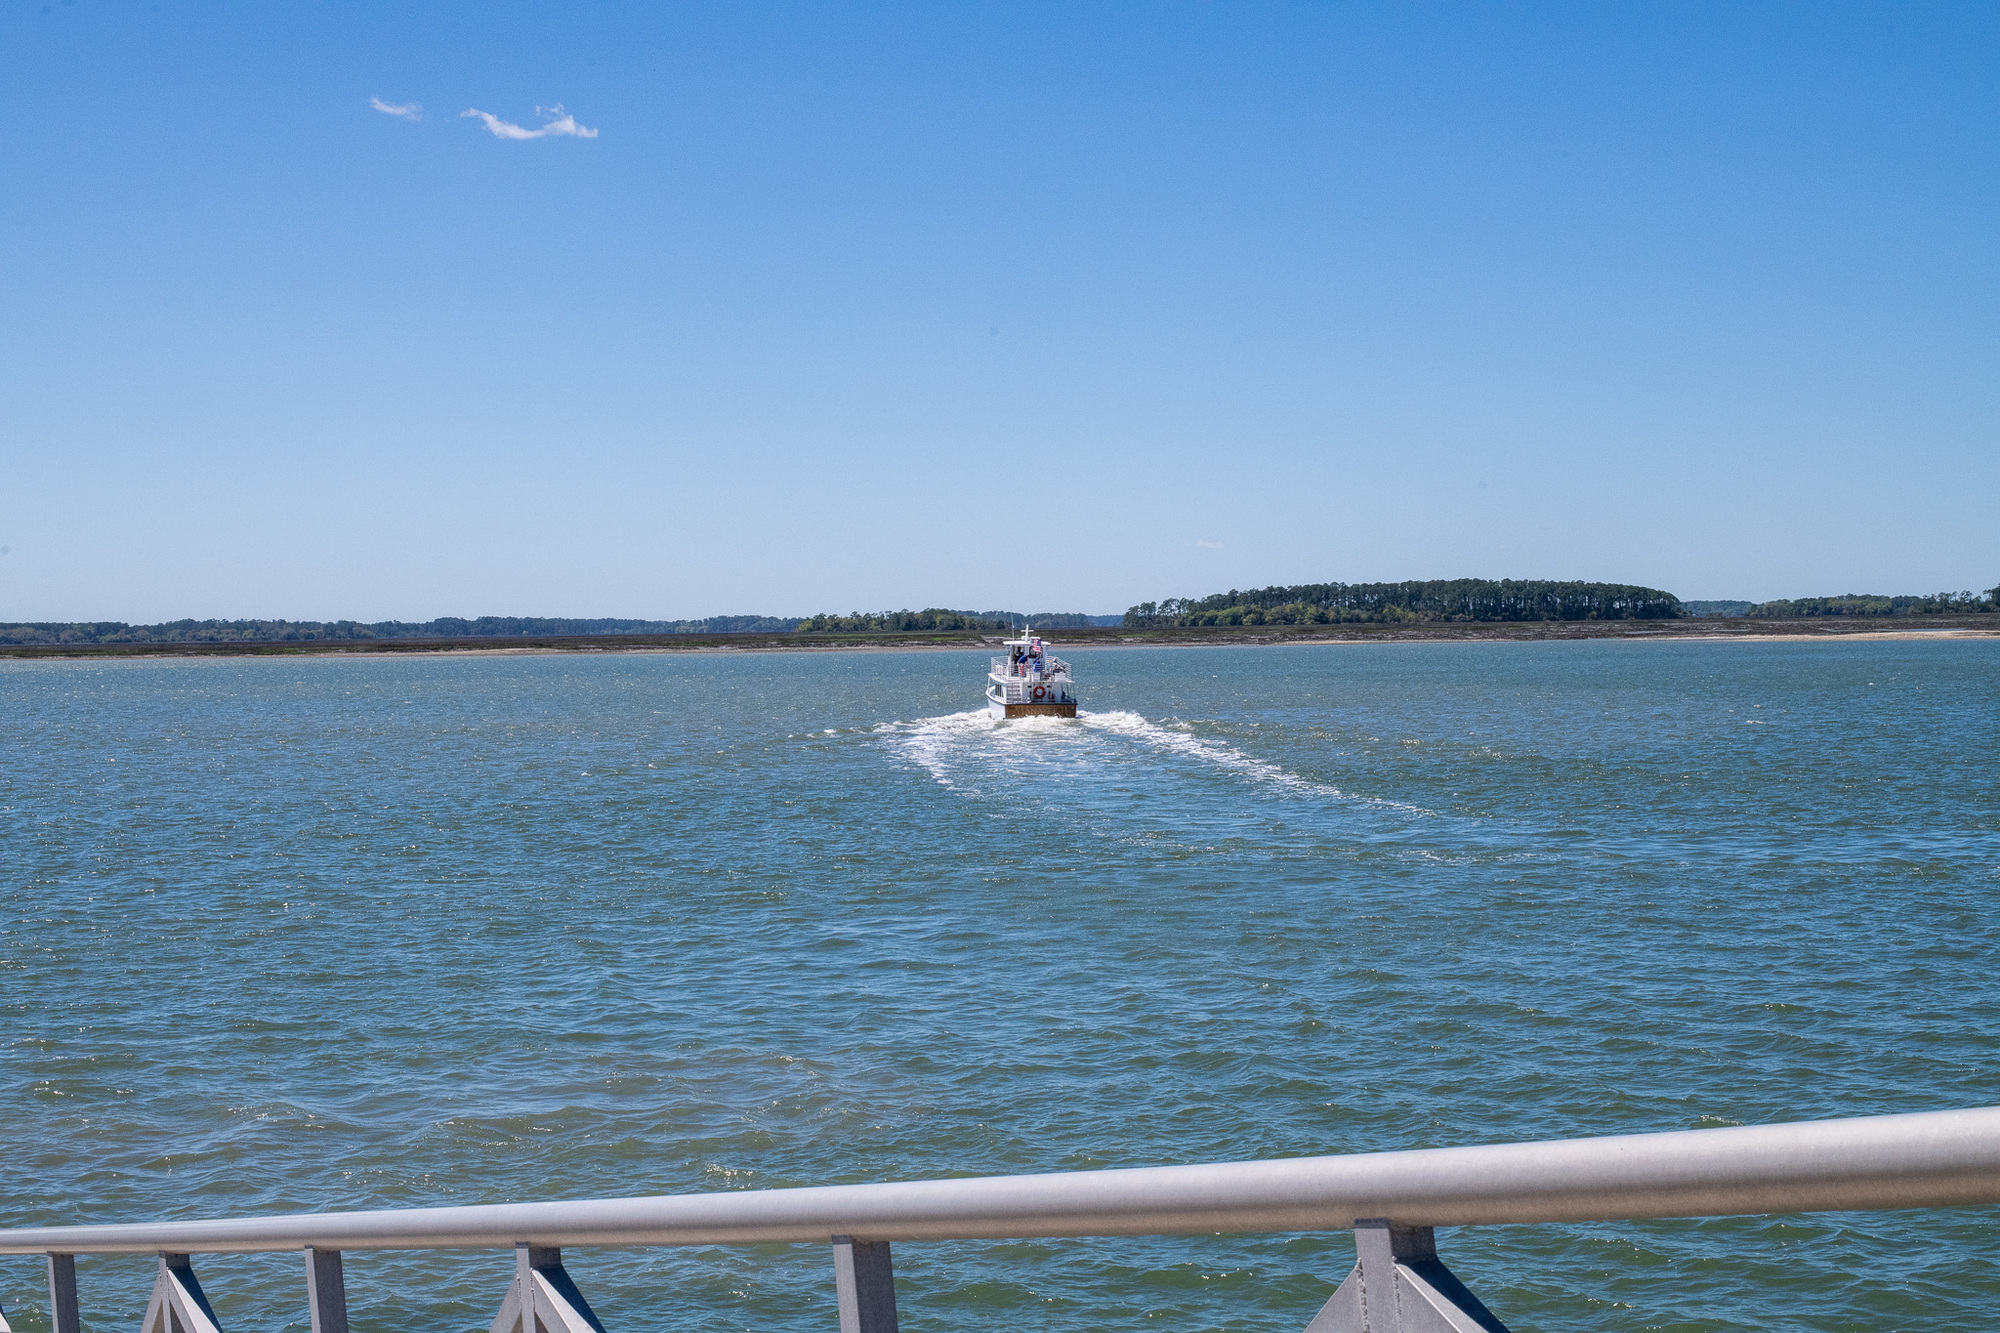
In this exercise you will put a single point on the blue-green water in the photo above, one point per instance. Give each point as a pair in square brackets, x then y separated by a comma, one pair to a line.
[313, 934]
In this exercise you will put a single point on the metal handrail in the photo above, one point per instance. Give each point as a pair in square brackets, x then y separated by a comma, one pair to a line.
[1052, 667]
[1927, 1160]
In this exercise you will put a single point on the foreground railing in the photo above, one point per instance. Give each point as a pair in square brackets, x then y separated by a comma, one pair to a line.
[1391, 1201]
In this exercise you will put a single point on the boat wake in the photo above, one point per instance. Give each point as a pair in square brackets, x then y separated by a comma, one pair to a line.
[933, 742]
[1138, 728]
[1025, 745]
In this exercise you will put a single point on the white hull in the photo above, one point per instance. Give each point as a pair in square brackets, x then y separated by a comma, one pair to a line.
[1030, 682]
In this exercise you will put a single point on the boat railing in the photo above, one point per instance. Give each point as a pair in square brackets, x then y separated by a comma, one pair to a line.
[1391, 1201]
[1052, 668]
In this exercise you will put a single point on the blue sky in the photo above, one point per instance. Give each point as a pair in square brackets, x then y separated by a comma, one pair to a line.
[1020, 305]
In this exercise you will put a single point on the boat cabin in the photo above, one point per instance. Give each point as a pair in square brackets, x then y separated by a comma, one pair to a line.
[1030, 681]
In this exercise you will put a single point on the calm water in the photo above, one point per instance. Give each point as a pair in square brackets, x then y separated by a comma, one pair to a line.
[301, 935]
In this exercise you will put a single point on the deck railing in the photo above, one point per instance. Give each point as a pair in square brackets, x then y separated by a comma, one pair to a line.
[1391, 1201]
[1052, 667]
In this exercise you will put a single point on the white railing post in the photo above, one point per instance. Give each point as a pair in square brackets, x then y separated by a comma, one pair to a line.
[63, 1309]
[865, 1282]
[542, 1299]
[178, 1304]
[1399, 1286]
[326, 1290]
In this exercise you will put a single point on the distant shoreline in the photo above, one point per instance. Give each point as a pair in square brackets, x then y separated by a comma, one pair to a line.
[1539, 631]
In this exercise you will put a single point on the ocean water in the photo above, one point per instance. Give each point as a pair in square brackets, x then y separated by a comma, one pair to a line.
[336, 933]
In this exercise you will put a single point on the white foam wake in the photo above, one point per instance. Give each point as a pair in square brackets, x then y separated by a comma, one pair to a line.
[927, 739]
[935, 743]
[1228, 756]
[1214, 752]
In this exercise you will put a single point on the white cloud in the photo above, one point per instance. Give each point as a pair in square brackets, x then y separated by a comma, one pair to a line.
[407, 110]
[1208, 546]
[557, 124]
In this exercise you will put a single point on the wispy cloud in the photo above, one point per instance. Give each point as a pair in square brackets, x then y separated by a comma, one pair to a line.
[557, 123]
[407, 110]
[1208, 546]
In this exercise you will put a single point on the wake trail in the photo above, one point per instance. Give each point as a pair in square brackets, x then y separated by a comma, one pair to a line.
[1228, 756]
[926, 739]
[1212, 752]
[933, 744]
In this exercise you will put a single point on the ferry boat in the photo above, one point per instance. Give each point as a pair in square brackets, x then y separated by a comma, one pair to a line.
[1030, 681]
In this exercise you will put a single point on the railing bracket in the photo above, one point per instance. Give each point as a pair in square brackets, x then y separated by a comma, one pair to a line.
[542, 1299]
[1400, 1286]
[178, 1304]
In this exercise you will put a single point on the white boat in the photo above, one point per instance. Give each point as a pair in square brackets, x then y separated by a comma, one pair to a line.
[1030, 681]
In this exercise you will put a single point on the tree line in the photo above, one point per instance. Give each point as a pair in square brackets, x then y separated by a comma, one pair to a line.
[1414, 602]
[350, 631]
[1875, 604]
[56, 633]
[942, 618]
[1431, 600]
